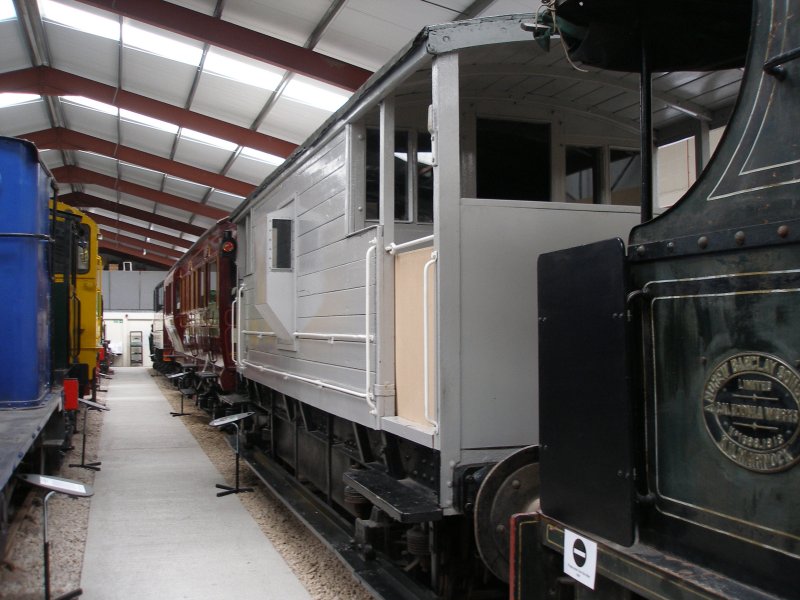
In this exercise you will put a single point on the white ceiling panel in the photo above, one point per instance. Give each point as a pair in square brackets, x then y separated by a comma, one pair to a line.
[173, 213]
[24, 118]
[185, 189]
[141, 176]
[204, 6]
[87, 55]
[203, 222]
[201, 155]
[293, 121]
[250, 170]
[146, 139]
[156, 77]
[289, 21]
[229, 100]
[223, 201]
[166, 230]
[13, 51]
[91, 122]
[367, 33]
[97, 163]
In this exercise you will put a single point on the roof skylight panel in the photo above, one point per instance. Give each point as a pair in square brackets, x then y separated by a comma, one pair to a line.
[260, 156]
[82, 20]
[136, 37]
[208, 139]
[315, 95]
[7, 11]
[13, 99]
[258, 76]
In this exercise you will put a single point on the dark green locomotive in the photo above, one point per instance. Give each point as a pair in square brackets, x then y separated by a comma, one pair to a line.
[670, 376]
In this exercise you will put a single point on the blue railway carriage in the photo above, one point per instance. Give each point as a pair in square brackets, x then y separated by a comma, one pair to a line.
[670, 455]
[30, 406]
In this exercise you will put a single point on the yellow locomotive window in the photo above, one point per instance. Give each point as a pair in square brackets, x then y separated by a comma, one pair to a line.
[83, 249]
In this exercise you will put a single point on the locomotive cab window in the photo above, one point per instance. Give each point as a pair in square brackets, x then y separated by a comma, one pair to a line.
[83, 248]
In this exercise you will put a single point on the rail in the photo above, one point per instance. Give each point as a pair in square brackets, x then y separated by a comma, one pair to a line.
[235, 327]
[425, 335]
[398, 248]
[368, 361]
[316, 382]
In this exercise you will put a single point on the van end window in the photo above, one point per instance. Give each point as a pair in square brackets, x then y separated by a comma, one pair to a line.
[281, 247]
[513, 160]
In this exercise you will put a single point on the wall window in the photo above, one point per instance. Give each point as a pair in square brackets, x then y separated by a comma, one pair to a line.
[513, 160]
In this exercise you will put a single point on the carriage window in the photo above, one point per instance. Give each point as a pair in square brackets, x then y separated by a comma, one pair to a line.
[201, 286]
[212, 282]
[281, 244]
[583, 174]
[625, 178]
[513, 160]
[83, 248]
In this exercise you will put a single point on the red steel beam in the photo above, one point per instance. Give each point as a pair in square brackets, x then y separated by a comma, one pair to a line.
[136, 254]
[141, 244]
[59, 138]
[71, 174]
[240, 40]
[130, 228]
[84, 200]
[52, 82]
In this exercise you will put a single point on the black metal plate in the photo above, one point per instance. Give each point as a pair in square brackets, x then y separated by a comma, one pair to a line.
[584, 397]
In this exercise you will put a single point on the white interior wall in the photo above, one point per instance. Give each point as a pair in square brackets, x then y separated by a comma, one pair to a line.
[118, 327]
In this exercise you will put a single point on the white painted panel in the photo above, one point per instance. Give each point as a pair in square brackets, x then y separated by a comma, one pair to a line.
[333, 208]
[500, 245]
[320, 236]
[332, 304]
[343, 277]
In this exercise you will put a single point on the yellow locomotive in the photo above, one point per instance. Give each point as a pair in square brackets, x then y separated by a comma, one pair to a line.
[77, 295]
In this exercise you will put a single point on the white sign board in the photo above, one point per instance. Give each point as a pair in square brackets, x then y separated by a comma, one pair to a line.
[580, 558]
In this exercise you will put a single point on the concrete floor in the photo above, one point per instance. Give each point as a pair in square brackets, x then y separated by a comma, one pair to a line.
[156, 528]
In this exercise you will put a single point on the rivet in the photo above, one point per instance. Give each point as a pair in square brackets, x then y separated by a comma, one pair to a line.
[671, 246]
[739, 237]
[500, 528]
[640, 250]
[703, 360]
[783, 231]
[702, 242]
[515, 484]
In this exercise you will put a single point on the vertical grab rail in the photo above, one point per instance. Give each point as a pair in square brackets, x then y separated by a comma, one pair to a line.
[425, 335]
[236, 333]
[371, 250]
